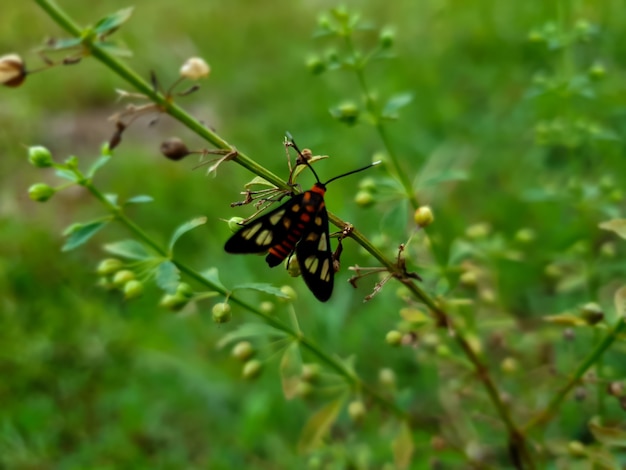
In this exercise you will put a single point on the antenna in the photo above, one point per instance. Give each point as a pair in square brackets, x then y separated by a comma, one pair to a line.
[291, 143]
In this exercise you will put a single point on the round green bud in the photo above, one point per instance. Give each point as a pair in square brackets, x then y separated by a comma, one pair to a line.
[477, 231]
[442, 351]
[509, 365]
[608, 250]
[393, 338]
[122, 276]
[173, 302]
[221, 313]
[106, 283]
[109, 266]
[310, 372]
[332, 57]
[267, 306]
[368, 184]
[577, 449]
[387, 38]
[315, 65]
[292, 266]
[423, 216]
[597, 71]
[348, 113]
[615, 389]
[535, 36]
[553, 271]
[40, 192]
[243, 350]
[525, 235]
[185, 290]
[323, 22]
[616, 195]
[592, 313]
[289, 292]
[356, 410]
[133, 289]
[234, 223]
[304, 389]
[40, 156]
[364, 198]
[387, 377]
[251, 369]
[469, 278]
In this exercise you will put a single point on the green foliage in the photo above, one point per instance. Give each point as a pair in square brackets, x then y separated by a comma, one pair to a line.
[499, 126]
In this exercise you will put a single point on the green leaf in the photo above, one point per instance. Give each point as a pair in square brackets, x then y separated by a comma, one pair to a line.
[110, 23]
[613, 437]
[260, 181]
[403, 447]
[78, 234]
[395, 103]
[141, 198]
[131, 249]
[291, 369]
[167, 276]
[319, 425]
[99, 163]
[112, 198]
[616, 225]
[565, 319]
[262, 287]
[66, 174]
[459, 250]
[250, 330]
[396, 219]
[620, 302]
[60, 44]
[115, 50]
[300, 168]
[212, 276]
[184, 228]
[443, 177]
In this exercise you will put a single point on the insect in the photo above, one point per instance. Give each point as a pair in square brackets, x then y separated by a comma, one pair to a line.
[299, 225]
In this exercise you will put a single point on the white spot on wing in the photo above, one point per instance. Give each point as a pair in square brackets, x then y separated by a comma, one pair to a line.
[264, 238]
[325, 274]
[249, 233]
[274, 219]
[323, 244]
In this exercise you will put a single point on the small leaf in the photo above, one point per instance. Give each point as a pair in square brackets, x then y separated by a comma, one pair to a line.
[395, 220]
[620, 302]
[184, 228]
[460, 250]
[250, 330]
[300, 168]
[260, 181]
[616, 225]
[112, 198]
[614, 437]
[59, 44]
[262, 287]
[290, 370]
[66, 174]
[111, 22]
[78, 234]
[443, 177]
[141, 198]
[115, 50]
[212, 276]
[415, 316]
[99, 163]
[319, 425]
[396, 102]
[403, 447]
[167, 276]
[565, 319]
[128, 249]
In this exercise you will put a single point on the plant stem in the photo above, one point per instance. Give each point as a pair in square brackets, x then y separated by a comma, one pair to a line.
[548, 412]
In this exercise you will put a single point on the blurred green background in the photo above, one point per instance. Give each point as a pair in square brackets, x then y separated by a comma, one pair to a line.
[90, 381]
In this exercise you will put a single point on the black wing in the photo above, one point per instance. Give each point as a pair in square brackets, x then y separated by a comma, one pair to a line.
[262, 233]
[316, 258]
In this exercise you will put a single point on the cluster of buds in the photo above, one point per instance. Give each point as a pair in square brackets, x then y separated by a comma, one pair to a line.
[114, 275]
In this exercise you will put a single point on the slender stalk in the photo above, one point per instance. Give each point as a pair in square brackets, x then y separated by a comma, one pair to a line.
[550, 410]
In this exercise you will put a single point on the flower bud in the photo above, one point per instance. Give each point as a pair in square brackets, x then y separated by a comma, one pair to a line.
[252, 369]
[386, 38]
[243, 350]
[597, 71]
[509, 365]
[469, 278]
[592, 313]
[40, 192]
[174, 149]
[356, 410]
[615, 389]
[477, 231]
[133, 289]
[364, 198]
[195, 68]
[393, 338]
[423, 216]
[310, 372]
[221, 313]
[316, 65]
[289, 292]
[348, 113]
[234, 224]
[40, 156]
[387, 377]
[525, 235]
[122, 277]
[12, 70]
[109, 266]
[577, 449]
[173, 302]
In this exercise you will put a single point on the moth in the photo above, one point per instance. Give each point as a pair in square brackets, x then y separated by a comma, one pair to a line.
[298, 226]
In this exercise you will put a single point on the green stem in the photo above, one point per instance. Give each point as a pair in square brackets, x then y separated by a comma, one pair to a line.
[594, 356]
